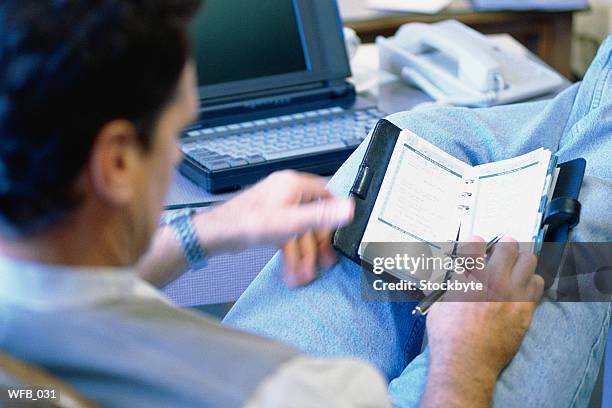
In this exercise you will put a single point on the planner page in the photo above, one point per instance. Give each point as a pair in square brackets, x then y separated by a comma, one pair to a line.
[507, 195]
[418, 197]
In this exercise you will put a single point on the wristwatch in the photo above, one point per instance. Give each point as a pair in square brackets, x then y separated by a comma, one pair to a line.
[182, 224]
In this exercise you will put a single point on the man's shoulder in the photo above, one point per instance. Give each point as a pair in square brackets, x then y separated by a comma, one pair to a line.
[130, 347]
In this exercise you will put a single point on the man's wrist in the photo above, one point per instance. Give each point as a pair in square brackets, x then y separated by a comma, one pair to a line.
[217, 232]
[182, 224]
[459, 382]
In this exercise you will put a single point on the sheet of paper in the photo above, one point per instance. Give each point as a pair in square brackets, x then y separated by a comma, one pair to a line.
[508, 196]
[530, 4]
[418, 198]
[413, 6]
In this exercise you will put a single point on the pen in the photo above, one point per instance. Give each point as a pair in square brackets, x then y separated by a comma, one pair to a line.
[423, 307]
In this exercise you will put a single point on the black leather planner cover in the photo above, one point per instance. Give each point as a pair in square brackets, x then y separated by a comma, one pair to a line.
[366, 186]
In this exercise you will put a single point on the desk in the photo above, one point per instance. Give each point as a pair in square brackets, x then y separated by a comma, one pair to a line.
[547, 34]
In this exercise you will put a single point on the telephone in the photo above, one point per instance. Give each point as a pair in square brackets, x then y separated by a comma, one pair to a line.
[456, 65]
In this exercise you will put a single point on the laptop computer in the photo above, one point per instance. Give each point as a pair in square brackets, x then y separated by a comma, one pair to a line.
[273, 93]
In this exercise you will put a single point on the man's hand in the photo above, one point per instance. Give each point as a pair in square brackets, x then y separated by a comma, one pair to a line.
[287, 207]
[472, 342]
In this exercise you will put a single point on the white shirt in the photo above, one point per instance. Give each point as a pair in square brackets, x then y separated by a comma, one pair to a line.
[301, 382]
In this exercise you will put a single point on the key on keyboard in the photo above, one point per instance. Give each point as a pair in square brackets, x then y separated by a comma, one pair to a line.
[280, 138]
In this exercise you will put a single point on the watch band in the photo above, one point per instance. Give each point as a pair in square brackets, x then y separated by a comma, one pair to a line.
[182, 224]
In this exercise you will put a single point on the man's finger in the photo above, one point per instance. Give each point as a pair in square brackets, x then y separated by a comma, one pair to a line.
[291, 262]
[524, 269]
[504, 256]
[536, 288]
[328, 213]
[308, 261]
[473, 248]
[499, 268]
[311, 187]
[327, 255]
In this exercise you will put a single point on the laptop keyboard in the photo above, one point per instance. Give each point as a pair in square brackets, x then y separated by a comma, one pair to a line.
[280, 137]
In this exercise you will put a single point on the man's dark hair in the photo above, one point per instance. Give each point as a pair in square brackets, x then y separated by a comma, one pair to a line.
[67, 67]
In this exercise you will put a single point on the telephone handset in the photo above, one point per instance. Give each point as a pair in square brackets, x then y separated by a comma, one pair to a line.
[459, 66]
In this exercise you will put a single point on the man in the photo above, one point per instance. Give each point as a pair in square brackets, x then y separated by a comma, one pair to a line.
[92, 97]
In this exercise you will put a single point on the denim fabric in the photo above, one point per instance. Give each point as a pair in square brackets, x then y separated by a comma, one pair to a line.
[558, 361]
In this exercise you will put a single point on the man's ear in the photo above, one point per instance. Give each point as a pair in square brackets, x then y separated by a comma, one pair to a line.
[115, 162]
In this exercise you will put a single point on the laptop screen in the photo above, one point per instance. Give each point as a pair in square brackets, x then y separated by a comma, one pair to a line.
[261, 47]
[240, 40]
